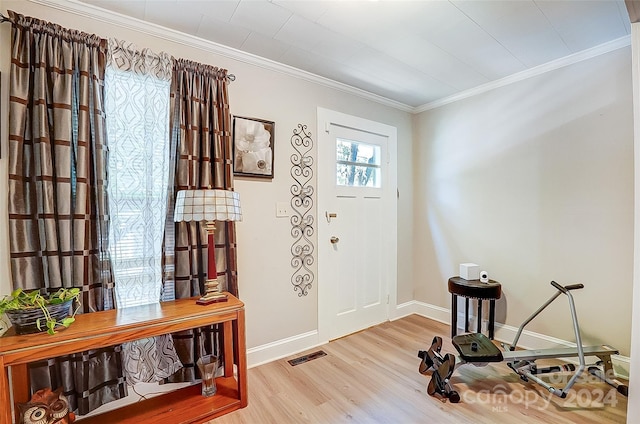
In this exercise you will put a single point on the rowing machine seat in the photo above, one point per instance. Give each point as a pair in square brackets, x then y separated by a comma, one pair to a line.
[476, 347]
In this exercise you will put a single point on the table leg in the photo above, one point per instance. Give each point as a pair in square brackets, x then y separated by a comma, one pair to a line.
[466, 314]
[479, 315]
[5, 394]
[239, 339]
[227, 331]
[492, 317]
[454, 315]
[20, 385]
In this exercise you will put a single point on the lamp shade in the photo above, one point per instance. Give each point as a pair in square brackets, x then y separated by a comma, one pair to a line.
[207, 205]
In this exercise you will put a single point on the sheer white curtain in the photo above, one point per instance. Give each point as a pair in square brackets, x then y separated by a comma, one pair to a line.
[137, 93]
[137, 109]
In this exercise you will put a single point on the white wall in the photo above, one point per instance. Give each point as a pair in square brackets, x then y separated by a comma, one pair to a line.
[274, 310]
[534, 182]
[633, 405]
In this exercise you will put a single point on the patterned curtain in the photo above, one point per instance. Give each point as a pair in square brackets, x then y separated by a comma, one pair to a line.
[137, 88]
[58, 228]
[201, 127]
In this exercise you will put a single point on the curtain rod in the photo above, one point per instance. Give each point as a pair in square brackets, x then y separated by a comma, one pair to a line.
[3, 19]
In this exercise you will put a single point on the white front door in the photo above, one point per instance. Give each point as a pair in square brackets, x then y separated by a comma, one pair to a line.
[356, 223]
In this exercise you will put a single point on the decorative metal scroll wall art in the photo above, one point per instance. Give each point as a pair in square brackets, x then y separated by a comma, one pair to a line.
[302, 203]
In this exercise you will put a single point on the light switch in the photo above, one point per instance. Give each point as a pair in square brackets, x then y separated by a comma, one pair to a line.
[282, 209]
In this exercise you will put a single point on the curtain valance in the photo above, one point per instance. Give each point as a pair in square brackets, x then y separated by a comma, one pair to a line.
[200, 69]
[36, 25]
[126, 56]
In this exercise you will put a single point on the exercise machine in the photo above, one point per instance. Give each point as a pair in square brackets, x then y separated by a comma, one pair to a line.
[479, 350]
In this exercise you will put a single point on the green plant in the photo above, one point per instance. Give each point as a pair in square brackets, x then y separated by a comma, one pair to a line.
[22, 300]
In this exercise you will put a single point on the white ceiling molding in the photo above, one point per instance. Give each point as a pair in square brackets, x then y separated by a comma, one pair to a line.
[117, 19]
[113, 18]
[529, 73]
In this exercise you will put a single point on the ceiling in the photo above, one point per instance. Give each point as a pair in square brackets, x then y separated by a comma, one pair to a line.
[411, 52]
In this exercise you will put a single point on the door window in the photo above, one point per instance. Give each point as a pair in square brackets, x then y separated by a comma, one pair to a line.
[357, 164]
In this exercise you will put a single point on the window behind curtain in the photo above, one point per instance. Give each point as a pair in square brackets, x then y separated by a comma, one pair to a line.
[137, 117]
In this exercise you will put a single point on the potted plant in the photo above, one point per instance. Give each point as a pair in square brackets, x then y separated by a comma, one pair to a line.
[32, 311]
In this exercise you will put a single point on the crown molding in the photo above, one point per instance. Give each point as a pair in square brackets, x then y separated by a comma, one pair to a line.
[113, 18]
[532, 72]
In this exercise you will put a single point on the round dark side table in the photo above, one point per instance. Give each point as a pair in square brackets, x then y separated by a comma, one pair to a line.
[473, 289]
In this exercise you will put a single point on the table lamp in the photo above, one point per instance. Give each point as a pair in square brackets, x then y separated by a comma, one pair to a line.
[209, 205]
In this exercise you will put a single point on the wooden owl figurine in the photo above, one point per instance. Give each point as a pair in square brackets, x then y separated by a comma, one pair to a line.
[46, 407]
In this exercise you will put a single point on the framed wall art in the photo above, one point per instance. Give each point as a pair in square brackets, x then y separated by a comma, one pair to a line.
[253, 141]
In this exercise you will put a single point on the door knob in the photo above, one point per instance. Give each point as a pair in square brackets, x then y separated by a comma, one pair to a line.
[334, 240]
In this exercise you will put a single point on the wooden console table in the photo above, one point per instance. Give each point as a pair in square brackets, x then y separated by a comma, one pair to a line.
[107, 328]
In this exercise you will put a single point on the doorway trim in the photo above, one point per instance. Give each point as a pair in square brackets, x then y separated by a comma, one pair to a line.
[327, 118]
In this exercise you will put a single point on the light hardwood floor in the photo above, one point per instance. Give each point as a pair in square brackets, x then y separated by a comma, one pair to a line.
[372, 377]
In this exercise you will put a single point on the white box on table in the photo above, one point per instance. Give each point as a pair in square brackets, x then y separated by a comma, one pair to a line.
[469, 271]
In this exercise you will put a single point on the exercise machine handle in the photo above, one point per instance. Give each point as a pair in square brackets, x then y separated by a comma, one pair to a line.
[574, 286]
[561, 290]
[565, 289]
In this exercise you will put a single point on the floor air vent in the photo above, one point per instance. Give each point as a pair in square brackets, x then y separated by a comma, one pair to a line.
[306, 358]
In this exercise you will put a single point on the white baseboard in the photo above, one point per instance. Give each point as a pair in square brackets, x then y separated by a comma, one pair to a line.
[402, 310]
[291, 345]
[506, 334]
[281, 348]
[433, 312]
